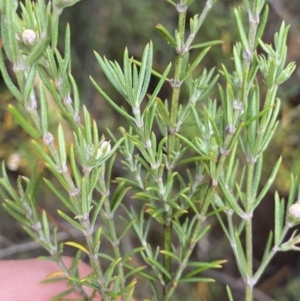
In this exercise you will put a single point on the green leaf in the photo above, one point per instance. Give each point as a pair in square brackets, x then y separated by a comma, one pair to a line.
[293, 191]
[269, 182]
[207, 44]
[215, 127]
[135, 271]
[29, 85]
[229, 294]
[105, 256]
[240, 256]
[127, 66]
[85, 202]
[216, 211]
[268, 246]
[191, 204]
[196, 159]
[238, 61]
[165, 252]
[166, 34]
[45, 224]
[76, 97]
[119, 199]
[108, 273]
[97, 209]
[16, 206]
[87, 126]
[75, 171]
[70, 221]
[127, 228]
[24, 124]
[171, 2]
[202, 233]
[155, 73]
[9, 83]
[195, 64]
[278, 220]
[230, 199]
[16, 215]
[9, 35]
[129, 290]
[67, 54]
[272, 71]
[197, 279]
[145, 72]
[111, 102]
[64, 79]
[62, 146]
[164, 114]
[241, 29]
[114, 74]
[6, 184]
[56, 191]
[159, 266]
[112, 294]
[203, 266]
[261, 26]
[44, 109]
[52, 68]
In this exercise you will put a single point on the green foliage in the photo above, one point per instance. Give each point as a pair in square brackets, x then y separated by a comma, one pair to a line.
[154, 148]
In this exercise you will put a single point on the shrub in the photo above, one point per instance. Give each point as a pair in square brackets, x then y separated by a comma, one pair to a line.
[185, 154]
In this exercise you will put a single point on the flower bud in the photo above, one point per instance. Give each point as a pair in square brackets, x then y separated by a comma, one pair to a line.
[28, 37]
[104, 149]
[294, 213]
[14, 161]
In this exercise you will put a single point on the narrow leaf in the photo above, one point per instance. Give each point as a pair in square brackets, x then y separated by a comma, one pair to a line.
[166, 34]
[70, 221]
[24, 124]
[78, 246]
[195, 64]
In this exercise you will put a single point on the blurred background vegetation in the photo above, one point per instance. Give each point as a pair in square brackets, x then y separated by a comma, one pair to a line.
[108, 26]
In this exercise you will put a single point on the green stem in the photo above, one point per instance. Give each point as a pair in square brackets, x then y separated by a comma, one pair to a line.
[111, 226]
[271, 254]
[248, 230]
[174, 105]
[78, 287]
[254, 21]
[114, 239]
[171, 286]
[55, 254]
[201, 18]
[94, 261]
[167, 241]
[176, 84]
[232, 239]
[249, 253]
[214, 182]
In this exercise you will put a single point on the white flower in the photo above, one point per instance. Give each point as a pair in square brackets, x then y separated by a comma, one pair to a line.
[29, 37]
[13, 161]
[294, 211]
[104, 149]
